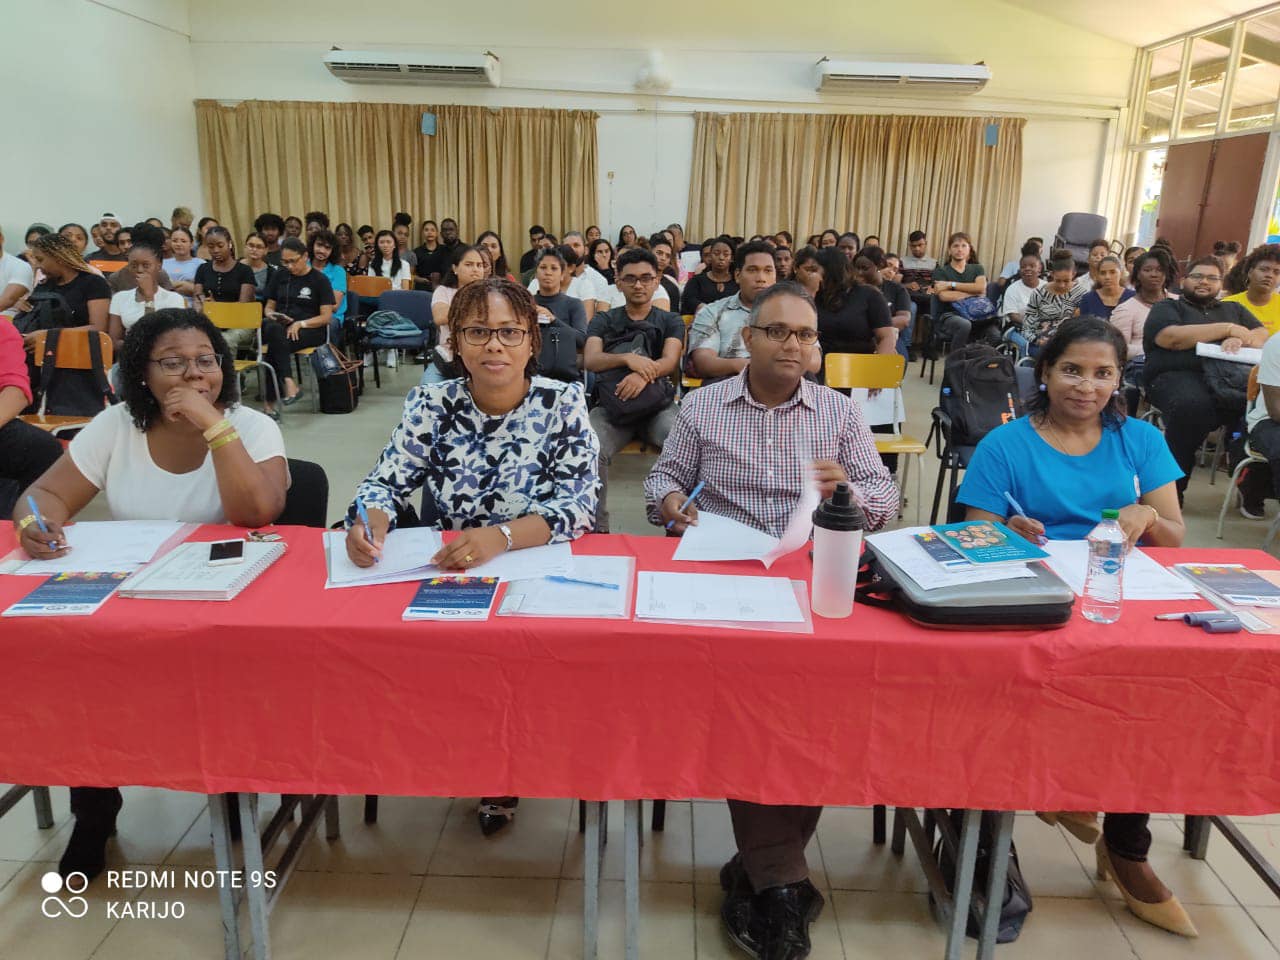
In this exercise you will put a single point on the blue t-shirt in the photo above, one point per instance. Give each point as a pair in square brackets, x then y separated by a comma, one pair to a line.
[1067, 494]
[338, 280]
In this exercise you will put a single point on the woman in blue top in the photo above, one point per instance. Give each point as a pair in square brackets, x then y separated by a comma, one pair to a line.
[1074, 456]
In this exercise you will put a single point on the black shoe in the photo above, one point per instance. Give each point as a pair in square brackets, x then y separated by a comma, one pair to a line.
[787, 912]
[87, 849]
[1253, 486]
[495, 813]
[741, 921]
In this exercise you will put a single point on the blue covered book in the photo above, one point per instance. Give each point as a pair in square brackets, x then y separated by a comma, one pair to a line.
[986, 542]
[68, 595]
[453, 598]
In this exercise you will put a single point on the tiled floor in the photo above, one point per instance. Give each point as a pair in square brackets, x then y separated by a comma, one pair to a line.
[424, 883]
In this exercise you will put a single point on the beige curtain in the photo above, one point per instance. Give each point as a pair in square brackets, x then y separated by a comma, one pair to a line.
[888, 175]
[361, 162]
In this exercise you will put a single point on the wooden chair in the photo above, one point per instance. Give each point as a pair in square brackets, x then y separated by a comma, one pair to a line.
[73, 354]
[879, 371]
[244, 316]
[364, 286]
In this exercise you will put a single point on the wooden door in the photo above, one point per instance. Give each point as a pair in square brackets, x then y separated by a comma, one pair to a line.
[1209, 192]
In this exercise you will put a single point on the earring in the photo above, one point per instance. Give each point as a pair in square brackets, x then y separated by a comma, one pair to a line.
[1043, 388]
[1115, 393]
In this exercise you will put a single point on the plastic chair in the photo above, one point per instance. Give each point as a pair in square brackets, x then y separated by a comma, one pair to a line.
[73, 354]
[1077, 231]
[243, 316]
[413, 305]
[880, 371]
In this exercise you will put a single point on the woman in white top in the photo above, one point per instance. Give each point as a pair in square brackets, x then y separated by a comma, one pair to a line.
[386, 262]
[179, 448]
[470, 264]
[182, 266]
[128, 306]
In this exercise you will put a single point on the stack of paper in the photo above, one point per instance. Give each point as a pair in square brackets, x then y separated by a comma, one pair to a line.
[407, 553]
[1144, 579]
[108, 546]
[901, 547]
[593, 587]
[720, 538]
[1249, 355]
[703, 596]
[185, 573]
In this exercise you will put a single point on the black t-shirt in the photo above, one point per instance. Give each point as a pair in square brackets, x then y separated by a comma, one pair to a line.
[702, 289]
[851, 327]
[1181, 313]
[273, 258]
[440, 262]
[224, 287]
[425, 260]
[527, 259]
[84, 288]
[569, 311]
[614, 324]
[895, 294]
[300, 298]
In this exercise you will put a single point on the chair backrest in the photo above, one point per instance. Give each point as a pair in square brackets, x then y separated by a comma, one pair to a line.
[414, 305]
[1078, 229]
[365, 286]
[109, 267]
[73, 348]
[869, 371]
[1025, 376]
[234, 316]
[307, 501]
[1251, 391]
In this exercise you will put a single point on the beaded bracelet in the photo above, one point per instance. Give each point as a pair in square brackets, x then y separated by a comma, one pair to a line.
[223, 440]
[217, 428]
[26, 521]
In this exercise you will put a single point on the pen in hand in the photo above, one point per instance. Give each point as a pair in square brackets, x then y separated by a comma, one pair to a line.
[35, 512]
[685, 506]
[368, 534]
[1041, 539]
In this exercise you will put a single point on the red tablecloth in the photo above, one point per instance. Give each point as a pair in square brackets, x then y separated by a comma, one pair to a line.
[292, 688]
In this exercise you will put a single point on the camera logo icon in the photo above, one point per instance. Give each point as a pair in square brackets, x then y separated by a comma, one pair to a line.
[72, 906]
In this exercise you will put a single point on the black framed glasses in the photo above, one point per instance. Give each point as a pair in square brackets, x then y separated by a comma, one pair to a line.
[780, 334]
[176, 366]
[630, 280]
[507, 336]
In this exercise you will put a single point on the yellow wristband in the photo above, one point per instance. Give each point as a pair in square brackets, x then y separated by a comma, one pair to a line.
[26, 521]
[217, 428]
[223, 440]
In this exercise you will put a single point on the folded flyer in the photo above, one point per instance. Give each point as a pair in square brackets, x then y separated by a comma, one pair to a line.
[453, 598]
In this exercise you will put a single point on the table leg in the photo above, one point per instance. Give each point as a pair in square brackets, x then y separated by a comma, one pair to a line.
[631, 876]
[591, 855]
[966, 857]
[255, 893]
[44, 808]
[1197, 836]
[996, 879]
[222, 860]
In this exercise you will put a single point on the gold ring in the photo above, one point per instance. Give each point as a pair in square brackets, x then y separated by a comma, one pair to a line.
[468, 558]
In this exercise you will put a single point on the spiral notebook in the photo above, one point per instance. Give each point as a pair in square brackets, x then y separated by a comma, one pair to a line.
[185, 574]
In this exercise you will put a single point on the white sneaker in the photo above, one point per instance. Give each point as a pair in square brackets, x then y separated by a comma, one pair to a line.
[368, 358]
[391, 359]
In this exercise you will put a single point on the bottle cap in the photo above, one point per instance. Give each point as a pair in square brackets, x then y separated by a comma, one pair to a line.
[840, 511]
[1110, 514]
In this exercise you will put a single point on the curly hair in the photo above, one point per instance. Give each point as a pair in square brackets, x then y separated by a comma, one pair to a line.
[1164, 259]
[1237, 281]
[135, 358]
[1082, 329]
[472, 303]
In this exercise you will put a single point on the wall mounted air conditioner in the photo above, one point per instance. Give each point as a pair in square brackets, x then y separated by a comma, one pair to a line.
[896, 79]
[424, 66]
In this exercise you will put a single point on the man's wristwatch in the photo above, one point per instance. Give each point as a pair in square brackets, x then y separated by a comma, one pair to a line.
[506, 532]
[953, 284]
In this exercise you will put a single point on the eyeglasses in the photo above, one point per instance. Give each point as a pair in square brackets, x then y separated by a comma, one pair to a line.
[780, 334]
[1204, 277]
[1075, 380]
[176, 366]
[507, 336]
[643, 278]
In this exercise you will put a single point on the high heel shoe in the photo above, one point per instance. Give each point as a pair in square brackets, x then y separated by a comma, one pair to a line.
[1167, 914]
[1081, 825]
[495, 813]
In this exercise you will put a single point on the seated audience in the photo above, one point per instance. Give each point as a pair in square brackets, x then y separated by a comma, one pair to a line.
[468, 267]
[72, 292]
[1074, 456]
[182, 217]
[553, 305]
[783, 239]
[828, 238]
[849, 245]
[1151, 273]
[714, 283]
[255, 258]
[586, 283]
[180, 447]
[1050, 305]
[592, 234]
[25, 451]
[297, 315]
[529, 258]
[958, 279]
[492, 243]
[202, 228]
[786, 263]
[78, 236]
[125, 279]
[852, 317]
[1017, 294]
[1255, 278]
[1109, 293]
[1097, 250]
[917, 267]
[386, 262]
[1131, 254]
[626, 236]
[147, 296]
[1227, 252]
[871, 267]
[424, 254]
[400, 230]
[314, 221]
[270, 227]
[632, 349]
[222, 278]
[1013, 268]
[806, 270]
[717, 344]
[321, 247]
[108, 251]
[124, 240]
[1172, 371]
[660, 244]
[600, 255]
[724, 436]
[347, 255]
[529, 482]
[182, 266]
[292, 228]
[16, 280]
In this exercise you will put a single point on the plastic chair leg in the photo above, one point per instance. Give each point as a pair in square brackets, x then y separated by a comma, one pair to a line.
[659, 822]
[878, 823]
[371, 808]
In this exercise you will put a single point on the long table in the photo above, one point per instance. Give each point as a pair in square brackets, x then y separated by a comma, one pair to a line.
[294, 689]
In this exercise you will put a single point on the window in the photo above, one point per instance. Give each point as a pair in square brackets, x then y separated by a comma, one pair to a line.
[1257, 80]
[1162, 91]
[1206, 81]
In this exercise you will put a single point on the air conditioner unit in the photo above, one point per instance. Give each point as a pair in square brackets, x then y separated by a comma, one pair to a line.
[426, 67]
[847, 76]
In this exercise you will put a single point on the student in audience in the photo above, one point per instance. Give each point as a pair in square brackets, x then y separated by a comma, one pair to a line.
[1017, 295]
[180, 447]
[124, 279]
[717, 347]
[1151, 274]
[25, 451]
[849, 245]
[182, 266]
[1172, 369]
[314, 221]
[347, 252]
[852, 317]
[33, 231]
[782, 239]
[530, 257]
[592, 234]
[586, 284]
[401, 232]
[491, 242]
[662, 335]
[786, 263]
[713, 284]
[320, 249]
[660, 245]
[600, 255]
[255, 258]
[1131, 254]
[1074, 456]
[155, 222]
[828, 238]
[1228, 252]
[201, 229]
[870, 240]
[917, 267]
[677, 239]
[871, 267]
[626, 236]
[124, 240]
[147, 296]
[1049, 306]
[16, 280]
[768, 420]
[807, 271]
[552, 302]
[1097, 250]
[445, 255]
[1109, 292]
[108, 249]
[84, 293]
[424, 254]
[1013, 268]
[467, 268]
[292, 228]
[531, 482]
[961, 277]
[78, 236]
[547, 241]
[270, 227]
[386, 262]
[297, 315]
[222, 278]
[95, 235]
[1255, 279]
[181, 217]
[168, 247]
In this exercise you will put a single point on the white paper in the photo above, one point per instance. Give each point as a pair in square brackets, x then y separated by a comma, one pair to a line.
[106, 546]
[689, 259]
[904, 550]
[542, 597]
[1144, 579]
[704, 596]
[407, 553]
[1249, 355]
[554, 559]
[720, 538]
[885, 407]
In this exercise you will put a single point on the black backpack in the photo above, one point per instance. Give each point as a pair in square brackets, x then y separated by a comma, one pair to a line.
[979, 393]
[558, 358]
[73, 393]
[49, 310]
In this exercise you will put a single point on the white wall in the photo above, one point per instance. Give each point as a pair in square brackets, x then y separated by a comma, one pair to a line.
[107, 124]
[1061, 170]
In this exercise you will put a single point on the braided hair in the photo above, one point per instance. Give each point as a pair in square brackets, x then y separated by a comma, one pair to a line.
[59, 249]
[472, 303]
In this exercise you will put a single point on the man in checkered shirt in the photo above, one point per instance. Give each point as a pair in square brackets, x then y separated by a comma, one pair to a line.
[755, 440]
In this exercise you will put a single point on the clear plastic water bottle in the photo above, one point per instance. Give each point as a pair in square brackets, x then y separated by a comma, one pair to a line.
[1104, 582]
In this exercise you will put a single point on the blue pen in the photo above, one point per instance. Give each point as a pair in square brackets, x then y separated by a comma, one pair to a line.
[35, 512]
[693, 496]
[1018, 511]
[364, 518]
[582, 583]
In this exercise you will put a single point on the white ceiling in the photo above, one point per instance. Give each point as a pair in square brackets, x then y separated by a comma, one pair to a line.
[1144, 22]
